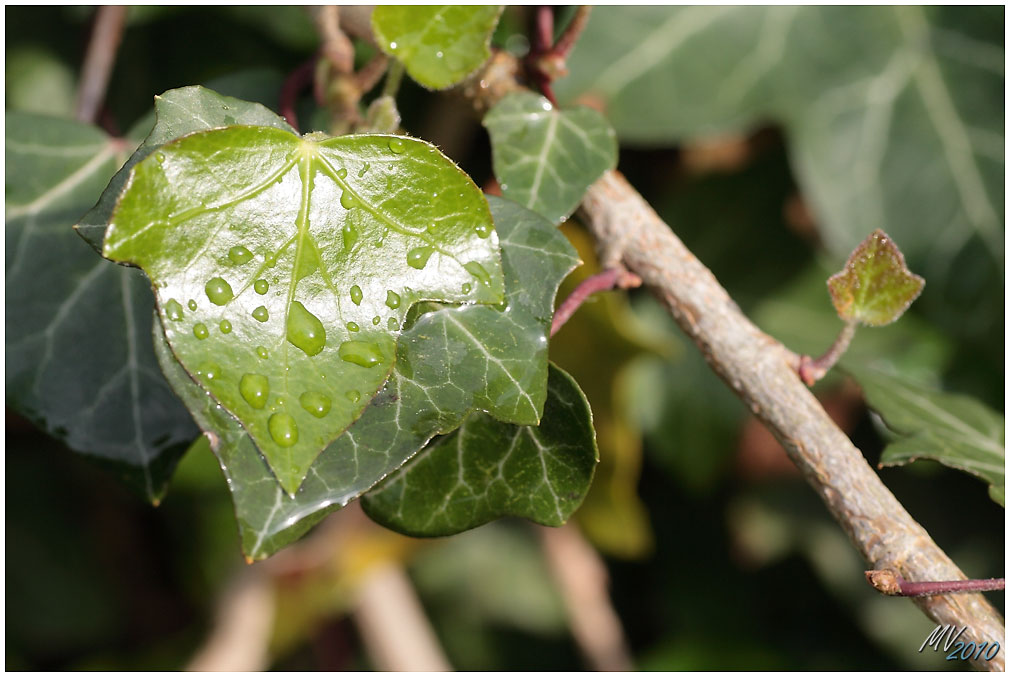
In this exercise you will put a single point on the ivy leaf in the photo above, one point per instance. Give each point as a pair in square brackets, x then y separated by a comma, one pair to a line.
[415, 404]
[284, 267]
[875, 287]
[487, 469]
[79, 358]
[178, 112]
[545, 158]
[898, 126]
[438, 44]
[956, 430]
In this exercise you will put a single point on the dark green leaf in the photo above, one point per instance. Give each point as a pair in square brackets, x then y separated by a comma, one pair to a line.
[415, 404]
[894, 115]
[956, 430]
[439, 44]
[284, 267]
[487, 469]
[79, 359]
[545, 158]
[179, 112]
[875, 287]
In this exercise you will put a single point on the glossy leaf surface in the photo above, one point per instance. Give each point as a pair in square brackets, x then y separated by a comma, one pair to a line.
[284, 268]
[875, 287]
[416, 403]
[487, 469]
[439, 44]
[79, 359]
[178, 112]
[897, 125]
[956, 430]
[545, 158]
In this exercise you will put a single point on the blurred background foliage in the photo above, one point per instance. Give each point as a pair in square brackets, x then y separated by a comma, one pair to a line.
[719, 555]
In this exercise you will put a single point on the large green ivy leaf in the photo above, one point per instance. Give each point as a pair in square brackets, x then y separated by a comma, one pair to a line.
[284, 267]
[956, 430]
[178, 112]
[894, 115]
[487, 469]
[546, 158]
[416, 403]
[79, 359]
[439, 44]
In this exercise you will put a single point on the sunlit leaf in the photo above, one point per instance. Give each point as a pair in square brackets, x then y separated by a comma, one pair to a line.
[178, 112]
[284, 268]
[79, 359]
[439, 44]
[545, 158]
[956, 430]
[415, 404]
[875, 287]
[487, 469]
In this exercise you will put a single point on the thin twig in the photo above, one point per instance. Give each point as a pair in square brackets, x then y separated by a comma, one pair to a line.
[605, 281]
[891, 583]
[370, 74]
[582, 578]
[336, 45]
[297, 80]
[99, 60]
[241, 633]
[813, 370]
[572, 31]
[394, 76]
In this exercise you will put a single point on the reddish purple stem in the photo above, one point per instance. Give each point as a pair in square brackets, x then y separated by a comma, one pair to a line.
[299, 79]
[928, 588]
[604, 281]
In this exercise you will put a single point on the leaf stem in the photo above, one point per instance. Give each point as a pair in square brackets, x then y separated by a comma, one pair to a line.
[394, 76]
[605, 281]
[813, 370]
[891, 583]
[369, 75]
[99, 60]
[297, 80]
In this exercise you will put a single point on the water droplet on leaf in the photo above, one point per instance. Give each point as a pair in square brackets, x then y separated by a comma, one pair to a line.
[304, 330]
[200, 331]
[342, 173]
[364, 168]
[356, 295]
[261, 314]
[353, 395]
[418, 257]
[239, 255]
[396, 146]
[262, 352]
[466, 287]
[348, 201]
[315, 403]
[393, 324]
[353, 326]
[376, 320]
[219, 291]
[191, 304]
[255, 389]
[361, 353]
[209, 370]
[483, 230]
[173, 310]
[392, 299]
[350, 236]
[283, 429]
[261, 287]
[479, 272]
[225, 327]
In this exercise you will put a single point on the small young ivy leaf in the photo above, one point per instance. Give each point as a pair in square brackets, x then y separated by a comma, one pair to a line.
[875, 287]
[178, 112]
[956, 430]
[438, 44]
[545, 158]
[272, 255]
[415, 404]
[487, 469]
[79, 358]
